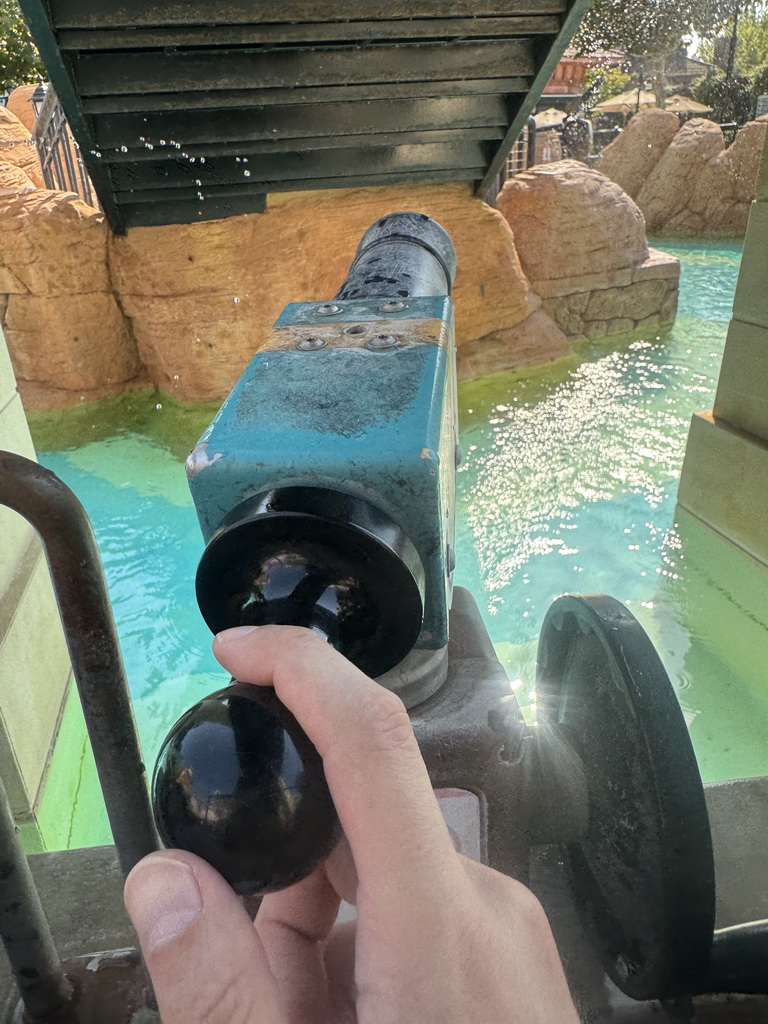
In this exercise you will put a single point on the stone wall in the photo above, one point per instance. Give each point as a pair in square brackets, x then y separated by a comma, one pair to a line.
[685, 180]
[35, 674]
[587, 257]
[724, 478]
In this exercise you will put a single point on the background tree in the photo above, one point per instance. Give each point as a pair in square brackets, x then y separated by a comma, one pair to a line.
[730, 99]
[613, 81]
[652, 29]
[748, 63]
[19, 59]
[751, 47]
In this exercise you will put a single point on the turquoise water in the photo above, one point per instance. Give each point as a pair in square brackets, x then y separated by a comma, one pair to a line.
[570, 472]
[568, 485]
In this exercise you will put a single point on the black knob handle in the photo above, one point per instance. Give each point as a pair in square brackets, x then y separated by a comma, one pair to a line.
[322, 559]
[239, 783]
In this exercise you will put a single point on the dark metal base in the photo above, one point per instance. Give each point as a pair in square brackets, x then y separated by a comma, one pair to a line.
[472, 739]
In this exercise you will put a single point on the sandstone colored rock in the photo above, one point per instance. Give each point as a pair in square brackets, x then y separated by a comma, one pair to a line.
[178, 284]
[534, 341]
[665, 197]
[633, 154]
[697, 187]
[602, 328]
[567, 311]
[14, 179]
[582, 244]
[65, 330]
[726, 188]
[635, 302]
[20, 104]
[51, 243]
[16, 146]
[742, 158]
[74, 342]
[568, 219]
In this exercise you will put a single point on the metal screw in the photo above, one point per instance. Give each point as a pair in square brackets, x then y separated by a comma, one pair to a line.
[357, 329]
[310, 344]
[327, 309]
[381, 341]
[392, 306]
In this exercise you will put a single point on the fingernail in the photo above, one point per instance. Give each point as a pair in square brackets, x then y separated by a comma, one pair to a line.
[163, 900]
[235, 633]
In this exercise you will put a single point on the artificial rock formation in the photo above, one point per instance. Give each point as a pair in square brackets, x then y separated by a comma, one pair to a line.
[633, 155]
[666, 196]
[20, 104]
[65, 330]
[582, 245]
[16, 147]
[694, 186]
[183, 307]
[200, 297]
[14, 179]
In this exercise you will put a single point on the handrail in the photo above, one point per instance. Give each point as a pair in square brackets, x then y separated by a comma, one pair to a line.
[60, 158]
[89, 627]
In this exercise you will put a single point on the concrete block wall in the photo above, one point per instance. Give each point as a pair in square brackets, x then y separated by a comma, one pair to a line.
[34, 665]
[724, 480]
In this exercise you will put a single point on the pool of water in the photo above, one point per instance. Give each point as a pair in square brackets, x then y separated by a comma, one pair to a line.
[568, 484]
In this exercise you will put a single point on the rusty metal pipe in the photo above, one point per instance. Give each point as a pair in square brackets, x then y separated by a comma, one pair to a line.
[44, 989]
[86, 614]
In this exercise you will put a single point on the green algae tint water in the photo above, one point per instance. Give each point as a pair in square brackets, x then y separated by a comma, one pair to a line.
[568, 484]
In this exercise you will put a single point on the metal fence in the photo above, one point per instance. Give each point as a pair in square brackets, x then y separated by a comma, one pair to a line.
[521, 156]
[59, 154]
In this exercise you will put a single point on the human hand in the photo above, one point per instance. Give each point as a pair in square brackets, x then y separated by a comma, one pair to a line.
[438, 937]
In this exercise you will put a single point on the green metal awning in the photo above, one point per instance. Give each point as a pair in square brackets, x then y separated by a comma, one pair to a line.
[188, 110]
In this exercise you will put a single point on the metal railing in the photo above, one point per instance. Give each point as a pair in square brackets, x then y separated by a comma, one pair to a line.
[86, 614]
[59, 154]
[522, 154]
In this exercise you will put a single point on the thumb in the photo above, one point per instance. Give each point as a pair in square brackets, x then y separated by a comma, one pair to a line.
[205, 958]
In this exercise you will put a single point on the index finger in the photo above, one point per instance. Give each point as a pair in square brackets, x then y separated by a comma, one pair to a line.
[372, 761]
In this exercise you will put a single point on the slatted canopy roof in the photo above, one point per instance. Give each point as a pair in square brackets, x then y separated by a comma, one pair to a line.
[188, 110]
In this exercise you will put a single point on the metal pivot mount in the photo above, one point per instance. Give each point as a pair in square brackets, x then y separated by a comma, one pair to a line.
[642, 867]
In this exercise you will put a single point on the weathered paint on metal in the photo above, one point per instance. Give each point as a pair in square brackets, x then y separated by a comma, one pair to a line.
[546, 59]
[362, 334]
[454, 75]
[350, 419]
[83, 600]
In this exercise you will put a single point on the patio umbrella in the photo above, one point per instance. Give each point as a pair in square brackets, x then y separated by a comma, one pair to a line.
[627, 102]
[684, 105]
[550, 116]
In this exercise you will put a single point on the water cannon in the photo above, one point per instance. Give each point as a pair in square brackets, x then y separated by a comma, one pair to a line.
[324, 489]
